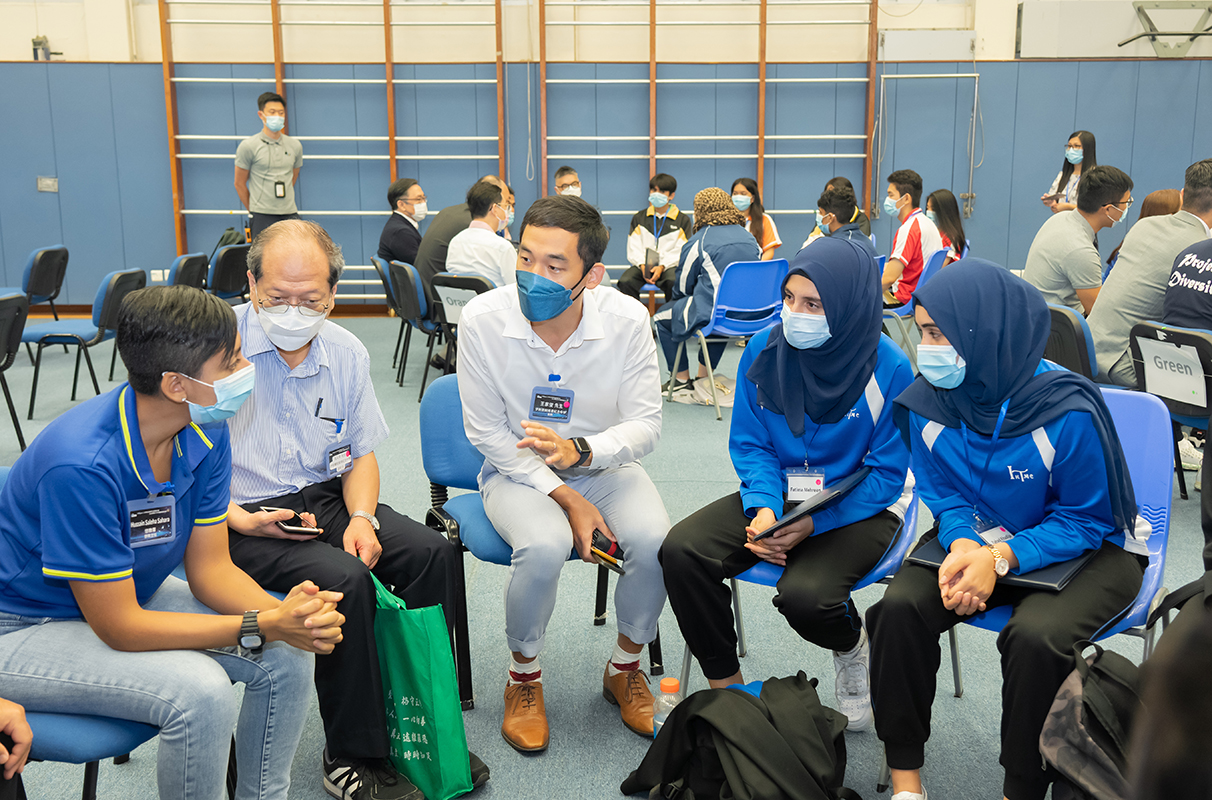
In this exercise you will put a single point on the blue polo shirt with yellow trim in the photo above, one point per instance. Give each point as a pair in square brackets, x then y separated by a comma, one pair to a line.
[64, 514]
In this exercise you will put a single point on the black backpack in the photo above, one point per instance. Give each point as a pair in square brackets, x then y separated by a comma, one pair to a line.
[1087, 734]
[783, 745]
[230, 236]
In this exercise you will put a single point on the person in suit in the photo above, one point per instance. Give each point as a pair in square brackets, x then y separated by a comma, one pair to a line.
[401, 236]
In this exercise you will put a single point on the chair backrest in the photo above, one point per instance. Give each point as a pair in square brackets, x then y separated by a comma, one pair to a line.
[388, 290]
[456, 291]
[932, 266]
[14, 309]
[748, 298]
[410, 294]
[229, 271]
[113, 290]
[1070, 343]
[1144, 432]
[448, 457]
[44, 273]
[189, 270]
[1176, 365]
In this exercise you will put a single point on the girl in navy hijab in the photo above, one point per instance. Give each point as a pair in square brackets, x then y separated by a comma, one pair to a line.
[813, 405]
[1019, 462]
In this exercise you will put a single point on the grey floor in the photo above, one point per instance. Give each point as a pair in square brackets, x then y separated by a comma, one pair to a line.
[591, 752]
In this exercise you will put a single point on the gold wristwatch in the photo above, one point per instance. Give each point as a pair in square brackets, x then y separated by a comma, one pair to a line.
[1000, 565]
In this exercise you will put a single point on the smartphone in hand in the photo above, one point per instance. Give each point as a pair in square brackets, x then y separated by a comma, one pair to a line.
[295, 524]
[606, 552]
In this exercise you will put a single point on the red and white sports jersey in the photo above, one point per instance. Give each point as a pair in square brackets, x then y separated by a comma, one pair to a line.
[916, 241]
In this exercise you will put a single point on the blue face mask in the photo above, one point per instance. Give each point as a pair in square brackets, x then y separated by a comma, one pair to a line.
[1073, 155]
[820, 224]
[658, 200]
[275, 123]
[509, 219]
[941, 365]
[890, 207]
[804, 331]
[230, 394]
[541, 298]
[930, 215]
[742, 201]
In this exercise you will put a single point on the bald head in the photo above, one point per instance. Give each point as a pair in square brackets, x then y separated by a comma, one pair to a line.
[296, 250]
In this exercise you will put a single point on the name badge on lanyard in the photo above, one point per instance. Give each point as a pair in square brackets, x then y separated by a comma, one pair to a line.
[339, 458]
[551, 403]
[803, 483]
[989, 529]
[152, 520]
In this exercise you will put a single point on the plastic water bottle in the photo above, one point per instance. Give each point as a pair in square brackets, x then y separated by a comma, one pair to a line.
[669, 696]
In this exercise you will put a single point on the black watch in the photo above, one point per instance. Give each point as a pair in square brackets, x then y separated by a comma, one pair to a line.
[583, 450]
[251, 638]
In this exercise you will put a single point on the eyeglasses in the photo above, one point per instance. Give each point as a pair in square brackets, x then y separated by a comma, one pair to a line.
[414, 201]
[1126, 203]
[560, 186]
[308, 308]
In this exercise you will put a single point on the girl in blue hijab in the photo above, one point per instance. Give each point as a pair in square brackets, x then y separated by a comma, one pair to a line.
[813, 405]
[1019, 462]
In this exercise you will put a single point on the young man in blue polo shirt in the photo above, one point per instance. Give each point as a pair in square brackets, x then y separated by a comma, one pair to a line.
[104, 504]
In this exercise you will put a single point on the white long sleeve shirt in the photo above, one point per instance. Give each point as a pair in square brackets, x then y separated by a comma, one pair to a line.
[609, 363]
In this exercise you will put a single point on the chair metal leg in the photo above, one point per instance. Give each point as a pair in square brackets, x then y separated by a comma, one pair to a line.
[122, 759]
[33, 390]
[76, 373]
[710, 372]
[885, 779]
[462, 639]
[1178, 462]
[741, 648]
[656, 664]
[673, 369]
[91, 373]
[958, 678]
[113, 359]
[425, 374]
[404, 356]
[89, 791]
[399, 338]
[687, 658]
[12, 412]
[599, 609]
[30, 353]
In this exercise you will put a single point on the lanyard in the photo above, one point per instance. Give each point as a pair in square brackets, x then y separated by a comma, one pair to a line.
[658, 232]
[808, 444]
[997, 430]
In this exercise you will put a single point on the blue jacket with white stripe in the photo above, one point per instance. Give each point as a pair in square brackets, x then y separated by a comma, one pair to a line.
[762, 445]
[1048, 488]
[703, 260]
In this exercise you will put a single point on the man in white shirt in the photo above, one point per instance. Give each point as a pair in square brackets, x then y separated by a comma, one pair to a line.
[561, 393]
[478, 250]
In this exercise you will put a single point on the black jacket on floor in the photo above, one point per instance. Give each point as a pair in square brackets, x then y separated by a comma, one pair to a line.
[727, 743]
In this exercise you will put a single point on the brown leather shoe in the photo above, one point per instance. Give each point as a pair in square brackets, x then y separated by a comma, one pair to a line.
[629, 691]
[525, 724]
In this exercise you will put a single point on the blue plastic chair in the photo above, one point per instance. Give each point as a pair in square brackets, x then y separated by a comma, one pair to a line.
[1110, 265]
[764, 573]
[899, 315]
[415, 309]
[43, 277]
[228, 278]
[82, 738]
[189, 270]
[747, 301]
[652, 289]
[1141, 421]
[1070, 343]
[451, 461]
[86, 333]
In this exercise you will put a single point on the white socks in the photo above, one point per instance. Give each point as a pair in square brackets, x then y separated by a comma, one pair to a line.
[524, 673]
[621, 658]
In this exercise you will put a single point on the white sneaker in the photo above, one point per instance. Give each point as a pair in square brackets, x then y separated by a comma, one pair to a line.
[852, 688]
[1191, 457]
[910, 795]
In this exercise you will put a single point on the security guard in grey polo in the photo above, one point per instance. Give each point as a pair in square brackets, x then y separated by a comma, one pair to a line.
[267, 167]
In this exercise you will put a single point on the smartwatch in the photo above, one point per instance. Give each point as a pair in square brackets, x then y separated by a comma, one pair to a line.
[369, 517]
[1000, 565]
[583, 450]
[251, 638]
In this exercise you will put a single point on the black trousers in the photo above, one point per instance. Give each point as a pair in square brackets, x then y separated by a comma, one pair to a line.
[14, 789]
[417, 563]
[262, 221]
[706, 548]
[632, 281]
[1036, 649]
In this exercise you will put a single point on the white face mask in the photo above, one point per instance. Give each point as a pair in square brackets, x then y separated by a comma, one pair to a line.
[419, 210]
[571, 191]
[290, 331]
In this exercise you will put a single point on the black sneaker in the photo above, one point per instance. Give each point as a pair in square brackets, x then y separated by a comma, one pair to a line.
[479, 771]
[373, 779]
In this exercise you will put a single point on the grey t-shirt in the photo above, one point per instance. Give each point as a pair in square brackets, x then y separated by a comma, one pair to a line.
[1063, 259]
[1135, 290]
[269, 161]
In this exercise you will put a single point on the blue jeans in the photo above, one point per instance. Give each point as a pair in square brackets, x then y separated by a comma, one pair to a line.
[62, 666]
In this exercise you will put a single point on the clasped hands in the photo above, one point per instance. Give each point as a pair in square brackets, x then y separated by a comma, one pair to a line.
[774, 548]
[307, 619]
[966, 577]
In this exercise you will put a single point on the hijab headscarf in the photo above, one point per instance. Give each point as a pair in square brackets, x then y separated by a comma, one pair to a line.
[713, 206]
[999, 324]
[825, 382]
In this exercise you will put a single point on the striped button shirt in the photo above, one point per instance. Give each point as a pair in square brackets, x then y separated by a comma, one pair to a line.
[282, 434]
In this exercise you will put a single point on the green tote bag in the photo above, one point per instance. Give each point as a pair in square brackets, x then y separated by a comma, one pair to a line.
[424, 717]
